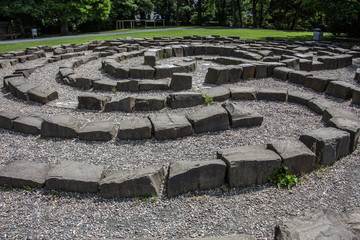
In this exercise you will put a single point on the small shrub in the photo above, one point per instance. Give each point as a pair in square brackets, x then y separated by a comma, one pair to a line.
[281, 178]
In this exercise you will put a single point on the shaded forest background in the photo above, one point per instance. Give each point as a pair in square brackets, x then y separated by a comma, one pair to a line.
[340, 17]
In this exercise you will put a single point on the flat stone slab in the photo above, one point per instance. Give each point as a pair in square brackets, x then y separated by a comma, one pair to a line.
[352, 126]
[124, 104]
[218, 94]
[272, 95]
[149, 103]
[28, 125]
[241, 116]
[128, 85]
[185, 99]
[340, 89]
[97, 131]
[74, 177]
[137, 183]
[21, 91]
[92, 101]
[148, 85]
[300, 97]
[209, 119]
[7, 117]
[185, 176]
[243, 93]
[319, 105]
[329, 144]
[135, 129]
[61, 126]
[170, 126]
[333, 112]
[104, 85]
[321, 224]
[282, 73]
[295, 155]
[42, 94]
[248, 165]
[20, 174]
[299, 77]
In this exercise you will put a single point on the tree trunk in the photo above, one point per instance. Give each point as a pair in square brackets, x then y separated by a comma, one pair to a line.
[199, 10]
[64, 28]
[177, 11]
[295, 20]
[261, 20]
[235, 24]
[223, 13]
[254, 13]
[241, 21]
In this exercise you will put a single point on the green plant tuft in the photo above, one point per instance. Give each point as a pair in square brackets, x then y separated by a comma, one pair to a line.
[208, 99]
[281, 178]
[114, 89]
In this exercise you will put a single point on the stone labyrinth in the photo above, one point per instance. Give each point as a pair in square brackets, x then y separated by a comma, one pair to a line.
[174, 88]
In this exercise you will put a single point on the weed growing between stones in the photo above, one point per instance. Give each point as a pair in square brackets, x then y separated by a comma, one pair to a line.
[281, 178]
[114, 89]
[208, 99]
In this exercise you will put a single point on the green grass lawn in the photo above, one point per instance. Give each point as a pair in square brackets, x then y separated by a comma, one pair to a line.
[180, 32]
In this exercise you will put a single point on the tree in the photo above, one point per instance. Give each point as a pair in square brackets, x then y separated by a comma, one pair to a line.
[71, 10]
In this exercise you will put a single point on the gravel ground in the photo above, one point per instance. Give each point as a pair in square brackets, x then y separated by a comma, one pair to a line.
[254, 210]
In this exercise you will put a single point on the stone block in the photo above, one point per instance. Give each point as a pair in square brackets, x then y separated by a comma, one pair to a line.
[181, 81]
[318, 105]
[84, 83]
[20, 174]
[92, 101]
[282, 73]
[21, 91]
[333, 112]
[241, 116]
[295, 155]
[243, 93]
[7, 117]
[260, 70]
[142, 72]
[170, 126]
[209, 119]
[178, 51]
[60, 126]
[329, 144]
[149, 103]
[74, 177]
[356, 96]
[218, 94]
[306, 65]
[272, 95]
[248, 165]
[127, 85]
[42, 94]
[235, 74]
[164, 71]
[28, 125]
[329, 62]
[340, 89]
[357, 75]
[136, 183]
[122, 72]
[135, 129]
[126, 104]
[185, 99]
[248, 71]
[300, 97]
[299, 77]
[318, 84]
[97, 131]
[217, 75]
[15, 82]
[148, 85]
[185, 176]
[104, 85]
[352, 126]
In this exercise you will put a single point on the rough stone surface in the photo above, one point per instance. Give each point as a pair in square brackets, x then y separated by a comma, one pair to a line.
[299, 77]
[218, 94]
[149, 103]
[209, 119]
[248, 165]
[23, 173]
[217, 75]
[332, 112]
[135, 129]
[104, 85]
[356, 96]
[272, 95]
[124, 104]
[300, 97]
[170, 126]
[241, 116]
[137, 183]
[243, 93]
[7, 117]
[329, 144]
[187, 176]
[318, 105]
[322, 224]
[28, 125]
[42, 94]
[181, 81]
[128, 85]
[147, 85]
[295, 155]
[74, 177]
[92, 101]
[144, 71]
[61, 126]
[97, 131]
[282, 73]
[318, 84]
[185, 99]
[352, 126]
[340, 89]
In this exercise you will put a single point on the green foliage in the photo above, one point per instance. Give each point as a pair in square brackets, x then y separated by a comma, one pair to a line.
[208, 99]
[281, 178]
[114, 89]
